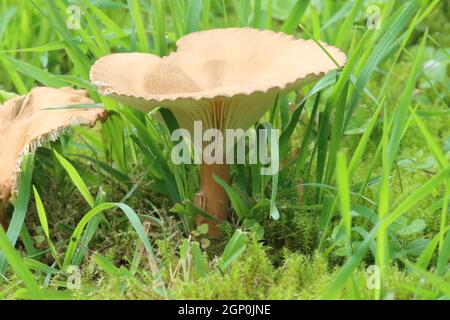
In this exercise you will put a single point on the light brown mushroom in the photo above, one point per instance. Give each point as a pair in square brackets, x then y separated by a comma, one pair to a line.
[226, 78]
[28, 121]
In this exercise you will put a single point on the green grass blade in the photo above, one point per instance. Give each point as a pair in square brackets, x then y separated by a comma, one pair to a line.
[344, 198]
[17, 263]
[379, 52]
[21, 206]
[294, 17]
[234, 248]
[42, 76]
[159, 27]
[44, 224]
[194, 12]
[401, 112]
[199, 260]
[138, 24]
[76, 179]
[241, 208]
[135, 222]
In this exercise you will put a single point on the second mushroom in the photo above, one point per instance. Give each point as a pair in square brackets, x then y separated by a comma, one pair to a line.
[28, 121]
[225, 78]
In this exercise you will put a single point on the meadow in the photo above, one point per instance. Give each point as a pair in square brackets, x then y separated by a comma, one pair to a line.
[358, 210]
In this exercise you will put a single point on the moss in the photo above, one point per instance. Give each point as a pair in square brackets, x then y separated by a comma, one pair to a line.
[300, 277]
[248, 278]
[296, 230]
[252, 276]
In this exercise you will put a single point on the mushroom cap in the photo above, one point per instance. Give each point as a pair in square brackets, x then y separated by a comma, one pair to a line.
[26, 123]
[227, 78]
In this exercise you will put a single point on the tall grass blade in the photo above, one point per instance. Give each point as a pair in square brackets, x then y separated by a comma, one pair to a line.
[21, 206]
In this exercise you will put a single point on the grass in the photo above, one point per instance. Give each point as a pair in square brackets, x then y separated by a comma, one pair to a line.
[364, 154]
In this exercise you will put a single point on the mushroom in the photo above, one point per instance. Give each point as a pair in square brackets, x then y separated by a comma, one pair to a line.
[225, 78]
[28, 121]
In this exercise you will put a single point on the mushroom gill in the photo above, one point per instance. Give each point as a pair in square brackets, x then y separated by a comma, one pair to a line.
[225, 78]
[28, 121]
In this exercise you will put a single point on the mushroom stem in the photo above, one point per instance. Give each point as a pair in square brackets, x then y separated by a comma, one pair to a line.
[214, 198]
[3, 218]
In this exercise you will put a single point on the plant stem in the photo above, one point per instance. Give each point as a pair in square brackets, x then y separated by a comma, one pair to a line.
[215, 199]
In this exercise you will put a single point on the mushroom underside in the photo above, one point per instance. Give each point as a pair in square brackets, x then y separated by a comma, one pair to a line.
[224, 78]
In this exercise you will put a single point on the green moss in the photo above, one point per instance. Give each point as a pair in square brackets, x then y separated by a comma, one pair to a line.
[252, 276]
[296, 230]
